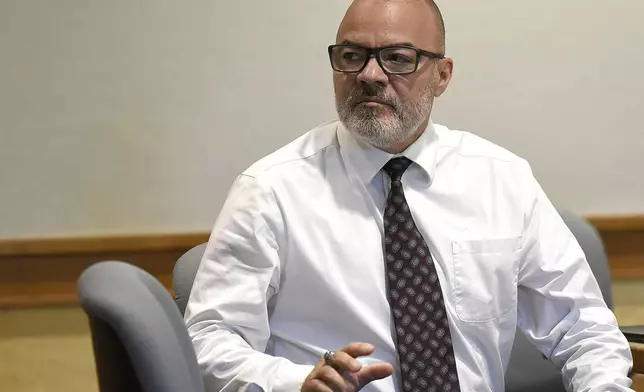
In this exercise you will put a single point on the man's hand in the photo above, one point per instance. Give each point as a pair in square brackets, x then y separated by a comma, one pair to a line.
[345, 373]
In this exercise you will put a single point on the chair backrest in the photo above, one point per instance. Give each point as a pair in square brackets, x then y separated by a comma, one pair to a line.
[183, 275]
[593, 246]
[528, 370]
[140, 341]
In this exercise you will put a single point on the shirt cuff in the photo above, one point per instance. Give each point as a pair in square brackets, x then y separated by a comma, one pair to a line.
[290, 377]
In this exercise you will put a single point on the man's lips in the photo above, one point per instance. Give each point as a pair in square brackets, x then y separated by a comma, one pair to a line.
[371, 101]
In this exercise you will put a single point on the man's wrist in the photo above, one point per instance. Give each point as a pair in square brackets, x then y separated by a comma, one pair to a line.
[290, 377]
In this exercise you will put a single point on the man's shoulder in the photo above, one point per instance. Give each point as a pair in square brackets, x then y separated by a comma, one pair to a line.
[469, 145]
[303, 149]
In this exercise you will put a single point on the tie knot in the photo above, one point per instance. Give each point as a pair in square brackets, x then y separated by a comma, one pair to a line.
[396, 167]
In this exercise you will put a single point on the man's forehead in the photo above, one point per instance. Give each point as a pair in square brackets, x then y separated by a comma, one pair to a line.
[380, 23]
[376, 41]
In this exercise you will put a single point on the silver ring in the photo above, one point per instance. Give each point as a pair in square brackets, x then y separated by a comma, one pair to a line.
[328, 358]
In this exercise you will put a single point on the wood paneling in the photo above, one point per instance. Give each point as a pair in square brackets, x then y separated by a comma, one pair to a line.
[617, 223]
[637, 349]
[44, 272]
[36, 272]
[95, 245]
[623, 238]
[638, 366]
[638, 382]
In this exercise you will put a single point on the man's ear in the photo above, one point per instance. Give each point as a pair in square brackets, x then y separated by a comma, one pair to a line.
[445, 69]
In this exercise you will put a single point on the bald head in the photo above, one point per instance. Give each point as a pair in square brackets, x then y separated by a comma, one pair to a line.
[436, 27]
[440, 22]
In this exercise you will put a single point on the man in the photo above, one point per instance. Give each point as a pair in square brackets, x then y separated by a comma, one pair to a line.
[388, 253]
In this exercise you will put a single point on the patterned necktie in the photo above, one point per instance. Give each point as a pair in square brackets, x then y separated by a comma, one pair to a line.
[422, 330]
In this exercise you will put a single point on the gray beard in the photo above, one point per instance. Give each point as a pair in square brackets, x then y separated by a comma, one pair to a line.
[381, 127]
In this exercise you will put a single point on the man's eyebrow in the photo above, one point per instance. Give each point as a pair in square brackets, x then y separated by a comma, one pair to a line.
[406, 43]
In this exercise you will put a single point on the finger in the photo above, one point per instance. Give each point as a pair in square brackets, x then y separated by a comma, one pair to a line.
[316, 385]
[358, 349]
[345, 362]
[333, 379]
[373, 372]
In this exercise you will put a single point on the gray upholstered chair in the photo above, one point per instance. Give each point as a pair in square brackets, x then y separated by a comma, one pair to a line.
[528, 371]
[184, 274]
[140, 341]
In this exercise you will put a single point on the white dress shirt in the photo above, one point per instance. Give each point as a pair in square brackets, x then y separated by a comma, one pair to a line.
[294, 266]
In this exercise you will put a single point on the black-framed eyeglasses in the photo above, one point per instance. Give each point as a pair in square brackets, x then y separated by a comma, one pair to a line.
[396, 59]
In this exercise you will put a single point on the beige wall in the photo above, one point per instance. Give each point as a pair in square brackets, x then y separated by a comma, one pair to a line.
[124, 117]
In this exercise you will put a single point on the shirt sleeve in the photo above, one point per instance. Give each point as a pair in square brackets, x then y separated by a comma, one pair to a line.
[227, 314]
[561, 308]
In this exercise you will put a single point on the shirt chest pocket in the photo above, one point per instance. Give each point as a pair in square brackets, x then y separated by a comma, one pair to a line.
[485, 278]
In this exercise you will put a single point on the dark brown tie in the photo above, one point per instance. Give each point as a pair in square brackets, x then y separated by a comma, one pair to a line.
[424, 342]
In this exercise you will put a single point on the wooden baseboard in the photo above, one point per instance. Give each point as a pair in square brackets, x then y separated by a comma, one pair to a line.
[37, 272]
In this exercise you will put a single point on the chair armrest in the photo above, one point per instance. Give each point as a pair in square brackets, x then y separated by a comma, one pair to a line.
[637, 349]
[635, 337]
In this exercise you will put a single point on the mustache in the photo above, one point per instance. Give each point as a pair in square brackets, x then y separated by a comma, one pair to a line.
[372, 91]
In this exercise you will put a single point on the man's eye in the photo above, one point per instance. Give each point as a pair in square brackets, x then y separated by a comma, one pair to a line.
[398, 58]
[350, 56]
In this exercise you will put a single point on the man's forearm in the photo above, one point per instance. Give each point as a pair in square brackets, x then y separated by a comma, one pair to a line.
[596, 356]
[229, 364]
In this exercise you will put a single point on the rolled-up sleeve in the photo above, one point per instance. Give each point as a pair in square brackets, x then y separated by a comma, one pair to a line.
[561, 309]
[227, 314]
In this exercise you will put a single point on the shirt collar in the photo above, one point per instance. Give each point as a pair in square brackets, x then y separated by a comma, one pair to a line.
[367, 160]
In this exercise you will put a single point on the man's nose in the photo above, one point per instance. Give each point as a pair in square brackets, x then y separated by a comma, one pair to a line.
[373, 73]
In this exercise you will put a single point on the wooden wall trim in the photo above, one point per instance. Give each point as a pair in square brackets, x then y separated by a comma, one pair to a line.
[618, 223]
[623, 238]
[105, 244]
[37, 272]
